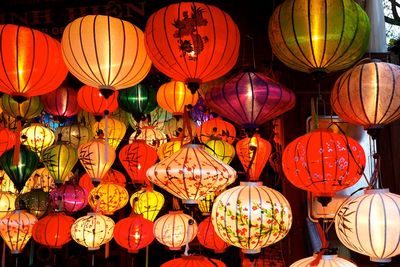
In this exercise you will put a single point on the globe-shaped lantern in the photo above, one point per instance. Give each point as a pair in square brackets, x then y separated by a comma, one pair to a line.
[326, 260]
[91, 100]
[216, 128]
[74, 134]
[111, 197]
[156, 119]
[209, 238]
[366, 95]
[72, 197]
[138, 100]
[7, 203]
[41, 178]
[112, 128]
[191, 173]
[53, 230]
[175, 229]
[180, 129]
[152, 136]
[325, 37]
[147, 202]
[7, 139]
[92, 230]
[221, 150]
[35, 201]
[105, 52]
[368, 224]
[169, 148]
[26, 110]
[250, 99]
[31, 62]
[194, 261]
[192, 42]
[37, 137]
[251, 216]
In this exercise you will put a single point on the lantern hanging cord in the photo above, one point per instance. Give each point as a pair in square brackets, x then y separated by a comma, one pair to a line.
[252, 51]
[175, 204]
[188, 235]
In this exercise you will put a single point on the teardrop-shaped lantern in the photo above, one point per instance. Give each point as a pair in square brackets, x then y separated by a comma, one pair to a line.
[7, 203]
[41, 178]
[178, 128]
[112, 197]
[26, 110]
[35, 201]
[148, 202]
[208, 237]
[37, 137]
[174, 96]
[169, 148]
[191, 173]
[221, 150]
[152, 136]
[112, 128]
[194, 261]
[6, 185]
[74, 134]
[72, 197]
[138, 100]
[326, 260]
[7, 139]
[216, 128]
[91, 100]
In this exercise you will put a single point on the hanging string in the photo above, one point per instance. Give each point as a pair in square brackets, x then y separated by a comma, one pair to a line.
[106, 135]
[188, 235]
[17, 147]
[324, 246]
[175, 204]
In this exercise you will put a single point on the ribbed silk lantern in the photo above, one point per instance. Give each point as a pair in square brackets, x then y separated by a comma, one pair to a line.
[209, 238]
[221, 150]
[180, 129]
[206, 203]
[29, 109]
[41, 178]
[152, 136]
[7, 203]
[194, 261]
[91, 100]
[35, 201]
[111, 197]
[174, 96]
[323, 36]
[138, 100]
[112, 128]
[6, 185]
[37, 137]
[216, 128]
[7, 139]
[169, 148]
[72, 197]
[192, 42]
[326, 260]
[74, 134]
[191, 173]
[147, 202]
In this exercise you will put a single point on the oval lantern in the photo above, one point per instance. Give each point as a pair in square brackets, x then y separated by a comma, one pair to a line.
[323, 162]
[6, 185]
[41, 178]
[26, 110]
[325, 37]
[112, 177]
[191, 173]
[366, 95]
[16, 229]
[192, 42]
[92, 230]
[208, 237]
[112, 128]
[216, 128]
[222, 150]
[123, 61]
[175, 229]
[35, 201]
[7, 139]
[152, 136]
[367, 224]
[149, 202]
[138, 100]
[250, 99]
[54, 230]
[91, 100]
[251, 216]
[180, 129]
[174, 96]
[72, 197]
[7, 203]
[37, 137]
[74, 134]
[206, 203]
[253, 153]
[32, 63]
[111, 197]
[194, 261]
[326, 260]
[169, 148]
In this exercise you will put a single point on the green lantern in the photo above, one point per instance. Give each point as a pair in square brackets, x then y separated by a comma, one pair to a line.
[35, 201]
[21, 172]
[27, 110]
[74, 134]
[319, 36]
[138, 100]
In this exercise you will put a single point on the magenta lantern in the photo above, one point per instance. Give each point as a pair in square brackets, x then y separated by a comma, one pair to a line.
[72, 196]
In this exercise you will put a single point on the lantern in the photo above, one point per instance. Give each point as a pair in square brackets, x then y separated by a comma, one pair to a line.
[37, 137]
[72, 197]
[87, 119]
[250, 99]
[194, 261]
[200, 113]
[121, 115]
[105, 52]
[92, 230]
[96, 157]
[74, 134]
[112, 197]
[174, 96]
[6, 185]
[323, 162]
[205, 204]
[192, 42]
[169, 148]
[253, 153]
[325, 37]
[134, 233]
[26, 110]
[7, 203]
[112, 128]
[326, 260]
[61, 103]
[31, 62]
[222, 150]
[216, 128]
[54, 230]
[16, 229]
[251, 216]
[112, 177]
[35, 201]
[149, 203]
[137, 157]
[7, 140]
[156, 119]
[138, 100]
[91, 100]
[153, 137]
[175, 229]
[191, 173]
[368, 224]
[41, 178]
[19, 173]
[372, 88]
[208, 237]
[178, 128]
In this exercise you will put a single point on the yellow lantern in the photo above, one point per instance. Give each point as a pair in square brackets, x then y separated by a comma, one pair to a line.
[6, 185]
[205, 204]
[153, 137]
[74, 134]
[41, 179]
[175, 229]
[221, 150]
[169, 148]
[7, 203]
[96, 157]
[37, 137]
[92, 230]
[111, 197]
[16, 229]
[147, 202]
[113, 128]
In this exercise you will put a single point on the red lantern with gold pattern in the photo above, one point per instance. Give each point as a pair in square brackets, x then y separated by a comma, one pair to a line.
[209, 238]
[91, 100]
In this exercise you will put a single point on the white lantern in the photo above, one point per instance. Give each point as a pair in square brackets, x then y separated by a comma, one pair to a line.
[326, 260]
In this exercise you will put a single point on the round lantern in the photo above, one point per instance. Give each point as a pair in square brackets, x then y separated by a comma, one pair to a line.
[134, 233]
[105, 52]
[91, 100]
[26, 110]
[112, 128]
[250, 99]
[7, 139]
[96, 157]
[178, 128]
[61, 103]
[16, 229]
[194, 261]
[147, 202]
[156, 119]
[326, 260]
[7, 203]
[191, 173]
[35, 201]
[6, 185]
[138, 100]
[192, 42]
[216, 128]
[323, 162]
[137, 157]
[251, 216]
[208, 237]
[114, 177]
[175, 229]
[41, 178]
[92, 230]
[253, 153]
[366, 94]
[152, 136]
[368, 224]
[72, 197]
[221, 150]
[174, 96]
[327, 36]
[169, 148]
[53, 230]
[205, 204]
[112, 197]
[37, 137]
[74, 134]
[31, 62]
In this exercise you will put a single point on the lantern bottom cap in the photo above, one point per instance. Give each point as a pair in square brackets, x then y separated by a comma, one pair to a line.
[381, 260]
[94, 248]
[15, 251]
[189, 201]
[251, 251]
[133, 251]
[174, 249]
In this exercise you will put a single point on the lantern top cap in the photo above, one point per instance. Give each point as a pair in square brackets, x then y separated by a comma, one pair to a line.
[328, 257]
[251, 183]
[175, 212]
[376, 191]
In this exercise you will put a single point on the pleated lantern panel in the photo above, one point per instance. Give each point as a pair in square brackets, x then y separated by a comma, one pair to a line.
[326, 260]
[91, 100]
[194, 261]
[149, 202]
[27, 110]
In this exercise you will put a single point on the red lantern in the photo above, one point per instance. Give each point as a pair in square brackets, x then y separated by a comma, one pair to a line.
[32, 63]
[73, 197]
[91, 100]
[192, 42]
[112, 177]
[216, 128]
[194, 261]
[209, 238]
[7, 140]
[54, 230]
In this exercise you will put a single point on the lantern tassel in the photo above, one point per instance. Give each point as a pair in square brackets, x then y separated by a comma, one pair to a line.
[147, 256]
[31, 253]
[107, 251]
[324, 245]
[17, 147]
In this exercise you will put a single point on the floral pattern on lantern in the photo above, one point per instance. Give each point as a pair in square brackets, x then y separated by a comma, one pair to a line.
[112, 197]
[208, 237]
[180, 129]
[37, 137]
[6, 185]
[41, 179]
[74, 134]
[112, 128]
[153, 137]
[216, 128]
[148, 203]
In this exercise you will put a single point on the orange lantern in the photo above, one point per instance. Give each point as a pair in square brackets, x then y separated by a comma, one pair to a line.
[105, 52]
[221, 150]
[209, 238]
[147, 202]
[31, 62]
[180, 129]
[169, 148]
[174, 96]
[91, 100]
[191, 173]
[112, 177]
[137, 157]
[194, 261]
[112, 197]
[192, 42]
[253, 153]
[112, 128]
[152, 136]
[216, 128]
[7, 139]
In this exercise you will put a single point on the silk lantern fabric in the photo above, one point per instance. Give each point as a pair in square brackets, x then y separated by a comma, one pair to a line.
[194, 261]
[61, 103]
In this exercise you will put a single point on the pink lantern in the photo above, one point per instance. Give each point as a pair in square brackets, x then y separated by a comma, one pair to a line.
[72, 196]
